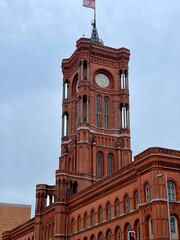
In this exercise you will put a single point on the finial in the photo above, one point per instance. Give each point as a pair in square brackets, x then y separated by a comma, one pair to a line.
[94, 35]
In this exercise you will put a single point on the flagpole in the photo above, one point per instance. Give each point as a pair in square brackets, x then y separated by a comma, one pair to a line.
[95, 12]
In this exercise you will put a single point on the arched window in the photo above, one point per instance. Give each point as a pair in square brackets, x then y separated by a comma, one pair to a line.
[100, 213]
[98, 112]
[99, 164]
[73, 226]
[127, 204]
[109, 235]
[147, 193]
[110, 163]
[85, 70]
[150, 229]
[123, 79]
[85, 108]
[106, 112]
[108, 211]
[66, 89]
[85, 221]
[136, 200]
[127, 228]
[118, 234]
[171, 191]
[174, 227]
[79, 223]
[65, 125]
[93, 237]
[93, 218]
[117, 208]
[101, 236]
[74, 187]
[124, 116]
[138, 236]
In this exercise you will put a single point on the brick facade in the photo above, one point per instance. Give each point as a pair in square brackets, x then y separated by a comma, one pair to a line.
[101, 192]
[12, 215]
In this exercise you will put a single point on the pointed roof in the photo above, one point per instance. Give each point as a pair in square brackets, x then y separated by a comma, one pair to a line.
[94, 36]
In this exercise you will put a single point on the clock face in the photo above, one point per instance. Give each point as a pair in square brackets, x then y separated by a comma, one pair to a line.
[102, 80]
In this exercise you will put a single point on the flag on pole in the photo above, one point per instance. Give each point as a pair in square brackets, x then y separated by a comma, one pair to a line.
[89, 3]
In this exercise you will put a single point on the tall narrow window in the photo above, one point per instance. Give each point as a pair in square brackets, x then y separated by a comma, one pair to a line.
[79, 223]
[98, 111]
[85, 70]
[123, 74]
[100, 214]
[85, 221]
[100, 164]
[93, 218]
[171, 191]
[106, 112]
[136, 199]
[101, 236]
[150, 229]
[127, 204]
[117, 208]
[118, 237]
[65, 124]
[110, 237]
[66, 89]
[174, 228]
[110, 163]
[73, 226]
[84, 108]
[108, 211]
[147, 193]
[124, 116]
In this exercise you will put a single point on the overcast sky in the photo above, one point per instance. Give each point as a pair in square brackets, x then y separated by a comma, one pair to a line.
[35, 35]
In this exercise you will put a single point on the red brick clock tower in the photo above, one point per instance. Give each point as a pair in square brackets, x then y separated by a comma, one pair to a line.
[95, 114]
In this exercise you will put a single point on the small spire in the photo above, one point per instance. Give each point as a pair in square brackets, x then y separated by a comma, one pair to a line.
[94, 35]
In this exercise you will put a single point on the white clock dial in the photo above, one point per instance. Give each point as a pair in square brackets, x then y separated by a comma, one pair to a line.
[102, 80]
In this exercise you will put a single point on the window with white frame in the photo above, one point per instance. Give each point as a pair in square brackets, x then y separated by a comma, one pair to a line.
[171, 191]
[147, 193]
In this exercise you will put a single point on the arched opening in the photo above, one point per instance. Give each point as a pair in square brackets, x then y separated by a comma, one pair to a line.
[174, 227]
[136, 200]
[110, 163]
[106, 112]
[100, 214]
[93, 218]
[127, 204]
[99, 164]
[149, 228]
[127, 228]
[66, 89]
[85, 71]
[65, 124]
[109, 235]
[124, 116]
[137, 229]
[117, 208]
[147, 192]
[123, 75]
[171, 191]
[117, 233]
[98, 111]
[75, 187]
[108, 211]
[86, 220]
